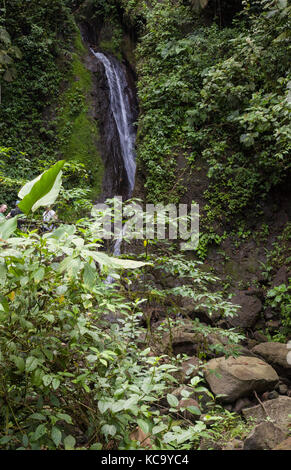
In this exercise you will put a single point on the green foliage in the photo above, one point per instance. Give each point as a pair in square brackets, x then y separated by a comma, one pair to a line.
[226, 425]
[60, 354]
[51, 76]
[280, 253]
[279, 298]
[42, 31]
[78, 133]
[217, 93]
[7, 227]
[8, 53]
[195, 285]
[70, 379]
[43, 191]
[13, 166]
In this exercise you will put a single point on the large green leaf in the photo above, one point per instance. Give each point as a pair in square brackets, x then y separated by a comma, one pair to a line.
[4, 36]
[43, 190]
[105, 260]
[8, 77]
[50, 197]
[7, 228]
[5, 59]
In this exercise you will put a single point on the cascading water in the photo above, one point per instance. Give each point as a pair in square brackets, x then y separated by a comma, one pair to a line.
[122, 113]
[123, 117]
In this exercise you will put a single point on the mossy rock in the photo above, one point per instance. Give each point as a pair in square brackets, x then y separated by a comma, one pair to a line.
[78, 131]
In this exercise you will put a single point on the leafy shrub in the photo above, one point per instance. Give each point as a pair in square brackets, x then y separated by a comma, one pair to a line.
[217, 93]
[73, 370]
[280, 299]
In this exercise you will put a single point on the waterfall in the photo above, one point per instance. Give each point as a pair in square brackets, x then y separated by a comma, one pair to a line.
[121, 110]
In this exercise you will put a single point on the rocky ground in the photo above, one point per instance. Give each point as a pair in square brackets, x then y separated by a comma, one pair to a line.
[250, 380]
[255, 387]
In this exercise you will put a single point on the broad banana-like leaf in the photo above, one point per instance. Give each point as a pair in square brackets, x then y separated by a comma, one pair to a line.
[5, 59]
[43, 190]
[4, 36]
[50, 197]
[15, 51]
[7, 228]
[104, 260]
[128, 263]
[10, 74]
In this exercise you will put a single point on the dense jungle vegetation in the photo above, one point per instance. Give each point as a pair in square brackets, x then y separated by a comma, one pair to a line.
[88, 364]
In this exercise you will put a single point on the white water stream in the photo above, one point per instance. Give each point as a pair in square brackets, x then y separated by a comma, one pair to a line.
[123, 116]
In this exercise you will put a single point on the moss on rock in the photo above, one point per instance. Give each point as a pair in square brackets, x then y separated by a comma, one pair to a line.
[78, 131]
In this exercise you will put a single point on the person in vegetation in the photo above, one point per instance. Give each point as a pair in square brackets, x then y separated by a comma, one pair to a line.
[49, 215]
[15, 211]
[3, 209]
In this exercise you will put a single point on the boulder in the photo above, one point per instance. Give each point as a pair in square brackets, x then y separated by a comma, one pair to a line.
[264, 436]
[139, 435]
[276, 355]
[189, 369]
[259, 337]
[235, 444]
[249, 311]
[238, 377]
[179, 392]
[183, 340]
[242, 403]
[278, 410]
[283, 389]
[281, 277]
[188, 403]
[198, 310]
[201, 397]
[209, 444]
[285, 445]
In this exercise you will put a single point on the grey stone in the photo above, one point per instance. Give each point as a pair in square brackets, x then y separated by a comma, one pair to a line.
[265, 436]
[242, 403]
[285, 445]
[249, 311]
[190, 368]
[184, 340]
[281, 277]
[277, 410]
[259, 337]
[238, 377]
[283, 389]
[276, 355]
[186, 403]
[235, 444]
